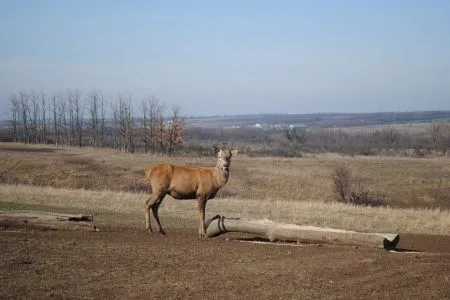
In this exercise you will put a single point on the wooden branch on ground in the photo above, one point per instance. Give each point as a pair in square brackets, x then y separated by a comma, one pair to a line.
[287, 232]
[22, 218]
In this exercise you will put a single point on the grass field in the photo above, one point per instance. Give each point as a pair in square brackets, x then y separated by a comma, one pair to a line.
[405, 182]
[291, 190]
[127, 209]
[123, 261]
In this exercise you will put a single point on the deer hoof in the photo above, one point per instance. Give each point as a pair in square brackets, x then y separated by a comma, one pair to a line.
[162, 232]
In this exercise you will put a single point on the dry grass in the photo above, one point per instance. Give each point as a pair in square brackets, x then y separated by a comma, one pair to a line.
[406, 182]
[335, 215]
[291, 190]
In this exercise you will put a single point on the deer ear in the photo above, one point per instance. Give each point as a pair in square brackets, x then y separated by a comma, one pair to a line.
[234, 152]
[215, 149]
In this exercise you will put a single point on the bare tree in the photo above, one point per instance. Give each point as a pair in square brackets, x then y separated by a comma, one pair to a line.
[24, 113]
[130, 132]
[174, 130]
[144, 124]
[55, 119]
[125, 120]
[295, 135]
[156, 109]
[78, 112]
[160, 129]
[14, 103]
[59, 117]
[392, 137]
[151, 108]
[71, 113]
[122, 121]
[436, 133]
[44, 115]
[62, 118]
[445, 137]
[102, 119]
[115, 125]
[34, 117]
[93, 99]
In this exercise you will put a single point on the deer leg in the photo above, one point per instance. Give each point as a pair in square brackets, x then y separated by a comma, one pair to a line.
[148, 204]
[155, 208]
[201, 208]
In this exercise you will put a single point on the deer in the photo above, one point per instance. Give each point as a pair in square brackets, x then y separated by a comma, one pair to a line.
[182, 182]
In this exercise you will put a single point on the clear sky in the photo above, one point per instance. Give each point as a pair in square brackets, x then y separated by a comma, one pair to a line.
[234, 57]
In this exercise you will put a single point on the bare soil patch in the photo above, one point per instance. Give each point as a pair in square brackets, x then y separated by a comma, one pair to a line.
[127, 263]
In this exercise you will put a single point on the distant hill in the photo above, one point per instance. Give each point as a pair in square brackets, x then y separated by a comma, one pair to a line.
[319, 119]
[308, 120]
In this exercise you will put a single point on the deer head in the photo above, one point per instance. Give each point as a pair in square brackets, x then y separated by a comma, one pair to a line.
[224, 157]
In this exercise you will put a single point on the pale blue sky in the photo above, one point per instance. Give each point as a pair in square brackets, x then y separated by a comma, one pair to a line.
[234, 57]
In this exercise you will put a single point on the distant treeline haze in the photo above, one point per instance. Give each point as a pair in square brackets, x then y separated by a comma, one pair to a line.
[418, 140]
[97, 120]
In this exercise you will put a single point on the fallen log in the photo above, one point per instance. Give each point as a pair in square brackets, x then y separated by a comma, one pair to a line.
[295, 233]
[21, 218]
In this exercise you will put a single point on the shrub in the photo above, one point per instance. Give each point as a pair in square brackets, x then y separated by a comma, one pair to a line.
[418, 152]
[366, 198]
[346, 191]
[341, 183]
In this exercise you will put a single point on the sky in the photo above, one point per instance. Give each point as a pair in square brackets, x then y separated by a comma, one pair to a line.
[233, 57]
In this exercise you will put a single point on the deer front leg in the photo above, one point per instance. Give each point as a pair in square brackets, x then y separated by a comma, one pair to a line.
[201, 208]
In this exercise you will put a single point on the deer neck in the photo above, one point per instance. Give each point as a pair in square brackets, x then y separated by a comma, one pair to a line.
[221, 173]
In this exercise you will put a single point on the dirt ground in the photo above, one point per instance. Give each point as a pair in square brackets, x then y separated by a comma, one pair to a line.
[128, 263]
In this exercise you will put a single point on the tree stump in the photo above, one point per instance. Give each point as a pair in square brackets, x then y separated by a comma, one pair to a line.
[295, 233]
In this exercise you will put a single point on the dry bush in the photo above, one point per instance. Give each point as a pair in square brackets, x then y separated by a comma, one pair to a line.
[367, 198]
[341, 183]
[419, 152]
[346, 190]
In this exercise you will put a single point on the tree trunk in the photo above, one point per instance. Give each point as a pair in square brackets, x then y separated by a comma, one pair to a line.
[287, 232]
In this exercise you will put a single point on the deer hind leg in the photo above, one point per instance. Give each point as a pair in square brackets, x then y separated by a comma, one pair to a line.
[149, 204]
[201, 208]
[155, 208]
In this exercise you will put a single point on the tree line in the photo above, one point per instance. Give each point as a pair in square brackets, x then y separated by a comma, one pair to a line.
[428, 139]
[95, 120]
[98, 120]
